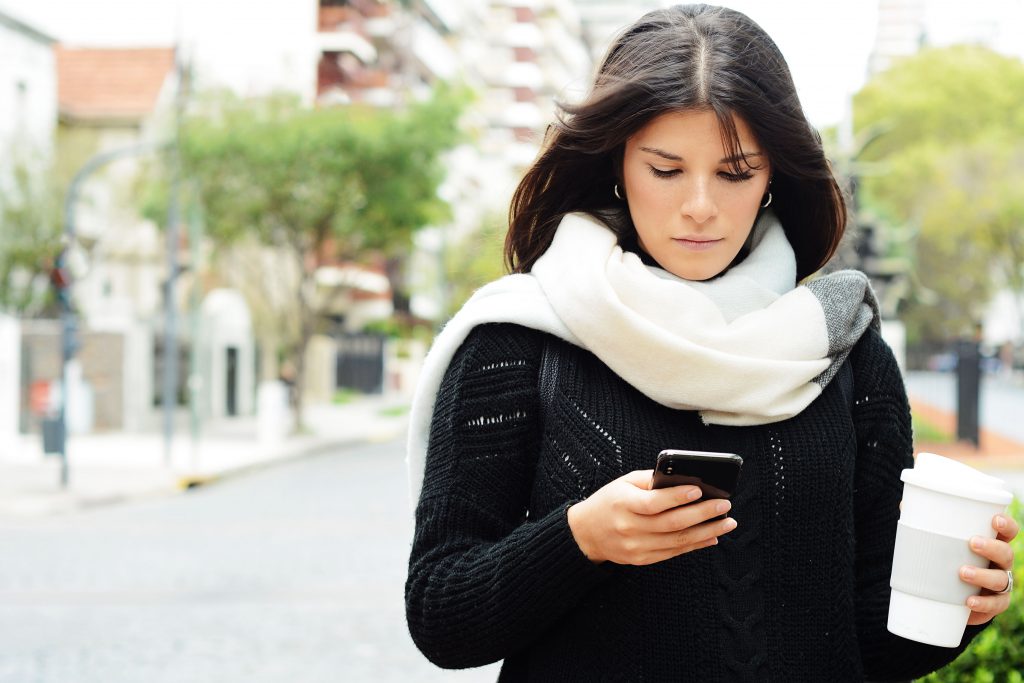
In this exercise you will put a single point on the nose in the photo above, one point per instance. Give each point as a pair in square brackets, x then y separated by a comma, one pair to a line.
[699, 203]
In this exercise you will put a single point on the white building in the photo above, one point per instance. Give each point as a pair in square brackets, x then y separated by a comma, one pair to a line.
[906, 26]
[603, 20]
[28, 91]
[28, 116]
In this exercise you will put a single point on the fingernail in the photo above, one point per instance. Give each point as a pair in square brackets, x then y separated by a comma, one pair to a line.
[1000, 522]
[977, 543]
[968, 572]
[729, 524]
[694, 494]
[972, 602]
[723, 506]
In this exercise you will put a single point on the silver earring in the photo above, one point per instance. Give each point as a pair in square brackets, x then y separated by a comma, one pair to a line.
[615, 190]
[767, 201]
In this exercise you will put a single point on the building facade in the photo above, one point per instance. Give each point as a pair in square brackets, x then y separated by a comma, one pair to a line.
[28, 91]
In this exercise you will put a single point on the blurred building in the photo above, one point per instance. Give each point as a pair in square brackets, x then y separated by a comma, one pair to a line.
[109, 99]
[28, 114]
[907, 26]
[28, 91]
[518, 56]
[113, 99]
[603, 20]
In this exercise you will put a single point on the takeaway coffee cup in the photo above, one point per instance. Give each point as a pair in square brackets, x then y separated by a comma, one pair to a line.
[945, 503]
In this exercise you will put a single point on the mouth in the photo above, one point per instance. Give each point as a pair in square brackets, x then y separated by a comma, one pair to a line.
[695, 244]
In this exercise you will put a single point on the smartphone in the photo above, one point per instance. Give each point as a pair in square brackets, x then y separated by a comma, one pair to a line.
[715, 473]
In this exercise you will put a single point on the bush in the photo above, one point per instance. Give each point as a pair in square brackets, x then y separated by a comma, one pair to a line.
[997, 654]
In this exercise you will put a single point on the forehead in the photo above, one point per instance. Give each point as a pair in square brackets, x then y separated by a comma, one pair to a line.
[676, 130]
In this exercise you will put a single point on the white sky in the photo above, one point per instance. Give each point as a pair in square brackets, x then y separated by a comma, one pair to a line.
[826, 43]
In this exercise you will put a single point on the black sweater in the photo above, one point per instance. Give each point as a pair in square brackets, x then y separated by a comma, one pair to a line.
[798, 592]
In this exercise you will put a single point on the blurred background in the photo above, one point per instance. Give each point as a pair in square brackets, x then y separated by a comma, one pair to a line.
[229, 231]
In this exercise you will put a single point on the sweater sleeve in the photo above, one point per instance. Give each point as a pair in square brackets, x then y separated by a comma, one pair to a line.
[881, 415]
[485, 576]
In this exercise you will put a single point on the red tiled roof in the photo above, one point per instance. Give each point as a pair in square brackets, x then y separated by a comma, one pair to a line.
[97, 83]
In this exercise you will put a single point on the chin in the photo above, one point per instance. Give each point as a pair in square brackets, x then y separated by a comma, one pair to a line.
[696, 274]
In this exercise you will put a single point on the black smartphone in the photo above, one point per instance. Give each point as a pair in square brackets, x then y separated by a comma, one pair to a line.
[715, 473]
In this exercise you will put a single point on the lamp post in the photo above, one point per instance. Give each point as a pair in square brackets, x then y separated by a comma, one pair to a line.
[62, 278]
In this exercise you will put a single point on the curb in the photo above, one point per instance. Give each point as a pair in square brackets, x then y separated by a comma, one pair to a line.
[58, 503]
[187, 482]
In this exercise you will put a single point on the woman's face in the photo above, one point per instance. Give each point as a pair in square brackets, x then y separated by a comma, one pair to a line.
[692, 213]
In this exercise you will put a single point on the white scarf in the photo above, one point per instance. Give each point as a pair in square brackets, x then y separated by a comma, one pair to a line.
[746, 348]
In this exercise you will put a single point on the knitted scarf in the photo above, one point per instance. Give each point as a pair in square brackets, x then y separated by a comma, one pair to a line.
[745, 348]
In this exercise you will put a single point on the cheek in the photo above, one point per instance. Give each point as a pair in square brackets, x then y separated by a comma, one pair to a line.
[649, 195]
[745, 199]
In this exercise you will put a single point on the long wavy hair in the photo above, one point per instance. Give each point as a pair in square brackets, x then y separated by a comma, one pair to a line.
[680, 58]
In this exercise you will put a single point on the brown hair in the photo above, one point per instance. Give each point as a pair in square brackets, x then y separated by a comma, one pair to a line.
[678, 58]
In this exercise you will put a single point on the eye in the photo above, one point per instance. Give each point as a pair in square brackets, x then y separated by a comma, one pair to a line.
[658, 173]
[735, 177]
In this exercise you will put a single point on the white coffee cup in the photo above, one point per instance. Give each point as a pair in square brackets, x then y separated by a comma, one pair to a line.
[945, 504]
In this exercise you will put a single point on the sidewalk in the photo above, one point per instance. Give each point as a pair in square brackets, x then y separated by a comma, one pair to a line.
[933, 398]
[1001, 448]
[107, 468]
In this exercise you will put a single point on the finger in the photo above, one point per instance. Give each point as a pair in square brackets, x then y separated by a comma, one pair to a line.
[694, 534]
[669, 553]
[639, 478]
[657, 501]
[977, 618]
[1006, 527]
[678, 519]
[994, 580]
[989, 604]
[993, 549]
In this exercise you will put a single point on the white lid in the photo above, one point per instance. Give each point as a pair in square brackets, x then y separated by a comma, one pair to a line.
[945, 475]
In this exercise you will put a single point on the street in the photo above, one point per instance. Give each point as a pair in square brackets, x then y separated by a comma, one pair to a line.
[293, 573]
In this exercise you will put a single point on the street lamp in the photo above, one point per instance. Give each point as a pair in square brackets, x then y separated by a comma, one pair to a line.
[62, 277]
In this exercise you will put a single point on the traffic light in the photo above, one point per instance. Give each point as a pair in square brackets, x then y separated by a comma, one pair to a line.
[61, 281]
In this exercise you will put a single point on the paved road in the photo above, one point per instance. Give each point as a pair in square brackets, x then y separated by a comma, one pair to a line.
[293, 574]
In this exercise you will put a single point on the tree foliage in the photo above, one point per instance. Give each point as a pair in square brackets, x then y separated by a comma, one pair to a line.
[949, 155]
[314, 185]
[475, 260]
[30, 232]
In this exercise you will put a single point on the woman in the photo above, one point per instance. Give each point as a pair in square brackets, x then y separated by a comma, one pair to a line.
[656, 244]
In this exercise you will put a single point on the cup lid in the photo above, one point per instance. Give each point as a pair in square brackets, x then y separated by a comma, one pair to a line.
[955, 478]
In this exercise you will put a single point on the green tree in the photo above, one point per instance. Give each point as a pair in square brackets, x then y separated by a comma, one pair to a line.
[30, 232]
[945, 171]
[313, 186]
[475, 260]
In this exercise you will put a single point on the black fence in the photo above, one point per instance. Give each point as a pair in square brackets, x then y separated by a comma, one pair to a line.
[360, 363]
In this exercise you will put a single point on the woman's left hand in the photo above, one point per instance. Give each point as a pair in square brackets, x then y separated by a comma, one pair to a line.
[994, 579]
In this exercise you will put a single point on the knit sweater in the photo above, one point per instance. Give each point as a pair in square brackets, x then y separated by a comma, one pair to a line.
[799, 591]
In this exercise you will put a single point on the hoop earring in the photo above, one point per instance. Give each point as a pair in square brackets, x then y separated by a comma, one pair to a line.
[615, 191]
[767, 201]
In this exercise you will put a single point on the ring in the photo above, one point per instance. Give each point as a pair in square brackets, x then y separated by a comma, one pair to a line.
[1009, 583]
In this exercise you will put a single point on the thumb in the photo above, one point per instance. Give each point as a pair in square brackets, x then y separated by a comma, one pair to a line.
[639, 478]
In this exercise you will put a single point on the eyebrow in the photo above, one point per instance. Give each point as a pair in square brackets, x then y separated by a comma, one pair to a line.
[675, 157]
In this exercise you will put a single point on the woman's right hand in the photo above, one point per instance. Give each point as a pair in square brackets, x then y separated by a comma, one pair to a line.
[628, 523]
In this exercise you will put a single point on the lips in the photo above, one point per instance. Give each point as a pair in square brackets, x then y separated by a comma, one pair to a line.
[695, 244]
